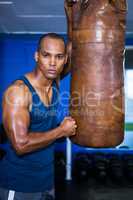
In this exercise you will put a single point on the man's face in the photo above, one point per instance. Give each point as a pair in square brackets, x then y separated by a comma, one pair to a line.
[51, 57]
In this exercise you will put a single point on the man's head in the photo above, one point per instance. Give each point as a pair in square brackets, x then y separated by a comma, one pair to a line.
[51, 55]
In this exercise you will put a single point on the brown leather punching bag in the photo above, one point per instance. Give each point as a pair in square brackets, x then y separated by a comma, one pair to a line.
[97, 31]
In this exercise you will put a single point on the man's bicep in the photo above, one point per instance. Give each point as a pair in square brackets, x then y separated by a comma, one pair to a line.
[15, 118]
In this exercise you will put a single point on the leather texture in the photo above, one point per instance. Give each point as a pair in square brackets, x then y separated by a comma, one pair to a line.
[97, 31]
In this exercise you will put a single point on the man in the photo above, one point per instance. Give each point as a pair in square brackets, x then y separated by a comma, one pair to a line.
[29, 118]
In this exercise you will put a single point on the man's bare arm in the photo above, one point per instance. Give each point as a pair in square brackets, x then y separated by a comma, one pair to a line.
[16, 120]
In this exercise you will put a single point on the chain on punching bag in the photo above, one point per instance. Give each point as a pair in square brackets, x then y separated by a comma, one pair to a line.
[97, 31]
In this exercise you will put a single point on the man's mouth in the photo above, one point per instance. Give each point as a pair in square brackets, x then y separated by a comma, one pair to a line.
[51, 71]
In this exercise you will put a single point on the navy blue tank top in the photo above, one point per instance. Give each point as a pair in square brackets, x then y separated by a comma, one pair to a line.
[32, 172]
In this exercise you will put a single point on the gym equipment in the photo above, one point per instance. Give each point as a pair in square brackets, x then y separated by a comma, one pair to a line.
[100, 167]
[82, 167]
[116, 171]
[128, 166]
[96, 29]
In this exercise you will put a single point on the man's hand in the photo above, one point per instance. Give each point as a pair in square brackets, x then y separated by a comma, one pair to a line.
[68, 127]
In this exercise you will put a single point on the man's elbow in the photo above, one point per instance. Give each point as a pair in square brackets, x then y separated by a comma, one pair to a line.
[20, 148]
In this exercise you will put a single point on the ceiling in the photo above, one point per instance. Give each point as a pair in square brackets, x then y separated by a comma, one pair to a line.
[40, 16]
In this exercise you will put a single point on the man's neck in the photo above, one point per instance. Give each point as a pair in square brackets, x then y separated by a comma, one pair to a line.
[39, 79]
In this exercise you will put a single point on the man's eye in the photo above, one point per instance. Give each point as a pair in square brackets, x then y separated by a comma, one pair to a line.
[60, 56]
[45, 55]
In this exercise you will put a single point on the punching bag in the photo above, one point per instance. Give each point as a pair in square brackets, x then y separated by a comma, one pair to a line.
[96, 29]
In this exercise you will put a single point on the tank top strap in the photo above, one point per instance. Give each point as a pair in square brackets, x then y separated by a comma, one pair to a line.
[35, 98]
[27, 83]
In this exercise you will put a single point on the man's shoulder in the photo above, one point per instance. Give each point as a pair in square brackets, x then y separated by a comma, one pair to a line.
[16, 92]
[17, 86]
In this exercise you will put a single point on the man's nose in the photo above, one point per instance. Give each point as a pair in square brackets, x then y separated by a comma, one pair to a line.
[53, 61]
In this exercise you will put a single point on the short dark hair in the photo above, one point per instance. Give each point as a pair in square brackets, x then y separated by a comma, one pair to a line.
[49, 35]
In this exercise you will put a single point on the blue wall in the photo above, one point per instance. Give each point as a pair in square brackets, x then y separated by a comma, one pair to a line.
[16, 58]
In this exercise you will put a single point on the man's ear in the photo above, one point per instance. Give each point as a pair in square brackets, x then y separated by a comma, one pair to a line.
[36, 56]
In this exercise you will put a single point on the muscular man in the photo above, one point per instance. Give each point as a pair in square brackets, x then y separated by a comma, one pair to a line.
[29, 118]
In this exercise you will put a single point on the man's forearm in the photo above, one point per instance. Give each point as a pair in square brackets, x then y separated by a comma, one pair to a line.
[36, 141]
